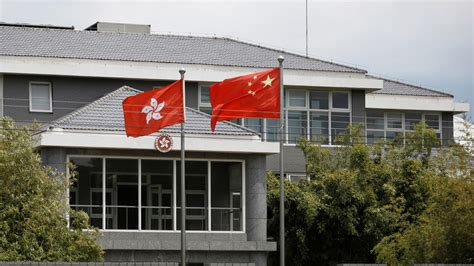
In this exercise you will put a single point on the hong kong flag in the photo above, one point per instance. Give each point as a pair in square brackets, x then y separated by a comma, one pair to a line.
[254, 95]
[148, 112]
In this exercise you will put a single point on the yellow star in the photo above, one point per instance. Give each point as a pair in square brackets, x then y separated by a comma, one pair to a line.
[250, 84]
[255, 77]
[251, 92]
[268, 81]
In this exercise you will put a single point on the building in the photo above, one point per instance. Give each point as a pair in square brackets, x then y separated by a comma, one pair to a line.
[73, 82]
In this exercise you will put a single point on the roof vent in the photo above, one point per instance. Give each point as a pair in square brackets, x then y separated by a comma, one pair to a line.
[119, 27]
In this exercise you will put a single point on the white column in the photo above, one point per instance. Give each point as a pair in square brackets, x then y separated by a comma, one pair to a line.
[139, 194]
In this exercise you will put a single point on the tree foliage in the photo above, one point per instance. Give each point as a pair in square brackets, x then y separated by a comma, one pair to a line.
[33, 207]
[388, 202]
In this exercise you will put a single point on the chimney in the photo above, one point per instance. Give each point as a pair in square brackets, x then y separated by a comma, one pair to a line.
[119, 27]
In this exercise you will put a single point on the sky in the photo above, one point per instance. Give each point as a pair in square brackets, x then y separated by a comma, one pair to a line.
[427, 43]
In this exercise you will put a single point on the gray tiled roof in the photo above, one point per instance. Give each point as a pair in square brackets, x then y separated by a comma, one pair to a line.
[400, 88]
[106, 114]
[58, 43]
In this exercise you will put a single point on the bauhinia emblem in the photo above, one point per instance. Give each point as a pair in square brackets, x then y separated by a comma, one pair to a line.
[164, 143]
[153, 110]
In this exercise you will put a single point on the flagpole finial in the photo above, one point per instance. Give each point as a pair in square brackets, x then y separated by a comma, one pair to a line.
[280, 59]
[182, 71]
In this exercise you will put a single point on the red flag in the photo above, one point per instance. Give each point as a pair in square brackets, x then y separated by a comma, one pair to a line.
[148, 112]
[254, 95]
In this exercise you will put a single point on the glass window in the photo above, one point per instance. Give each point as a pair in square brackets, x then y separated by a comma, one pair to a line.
[319, 130]
[272, 129]
[395, 136]
[207, 110]
[375, 120]
[40, 97]
[411, 119]
[432, 121]
[374, 137]
[255, 124]
[340, 100]
[297, 178]
[226, 190]
[157, 194]
[319, 100]
[297, 98]
[339, 123]
[205, 99]
[86, 193]
[196, 195]
[122, 181]
[394, 120]
[236, 121]
[223, 202]
[297, 125]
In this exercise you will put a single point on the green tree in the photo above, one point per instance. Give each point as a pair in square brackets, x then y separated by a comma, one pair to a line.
[33, 207]
[444, 231]
[363, 196]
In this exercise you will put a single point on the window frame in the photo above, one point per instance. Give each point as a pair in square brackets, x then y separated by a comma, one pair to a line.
[308, 110]
[349, 102]
[31, 109]
[174, 190]
[290, 176]
[404, 130]
[200, 103]
[287, 99]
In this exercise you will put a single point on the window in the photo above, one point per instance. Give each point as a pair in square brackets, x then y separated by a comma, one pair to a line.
[204, 99]
[226, 190]
[297, 125]
[394, 120]
[272, 129]
[339, 124]
[374, 137]
[157, 194]
[327, 113]
[394, 126]
[319, 130]
[297, 98]
[432, 121]
[297, 177]
[319, 100]
[196, 180]
[144, 194]
[122, 180]
[375, 127]
[204, 95]
[375, 120]
[255, 124]
[411, 119]
[340, 100]
[40, 97]
[86, 191]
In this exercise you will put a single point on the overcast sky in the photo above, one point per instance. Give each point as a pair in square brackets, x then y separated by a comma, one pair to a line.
[429, 43]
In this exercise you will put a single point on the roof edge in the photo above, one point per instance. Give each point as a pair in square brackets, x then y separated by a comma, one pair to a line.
[412, 85]
[80, 109]
[355, 69]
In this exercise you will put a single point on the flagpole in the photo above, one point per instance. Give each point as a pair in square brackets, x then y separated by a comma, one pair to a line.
[282, 173]
[183, 187]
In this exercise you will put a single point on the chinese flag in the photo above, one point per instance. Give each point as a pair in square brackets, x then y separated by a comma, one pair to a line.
[254, 95]
[148, 112]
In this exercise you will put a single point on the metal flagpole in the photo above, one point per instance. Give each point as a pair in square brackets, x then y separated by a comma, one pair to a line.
[282, 173]
[183, 192]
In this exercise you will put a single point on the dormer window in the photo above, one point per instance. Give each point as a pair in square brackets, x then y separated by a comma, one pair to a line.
[41, 97]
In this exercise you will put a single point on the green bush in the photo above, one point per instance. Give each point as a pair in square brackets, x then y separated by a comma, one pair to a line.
[33, 207]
